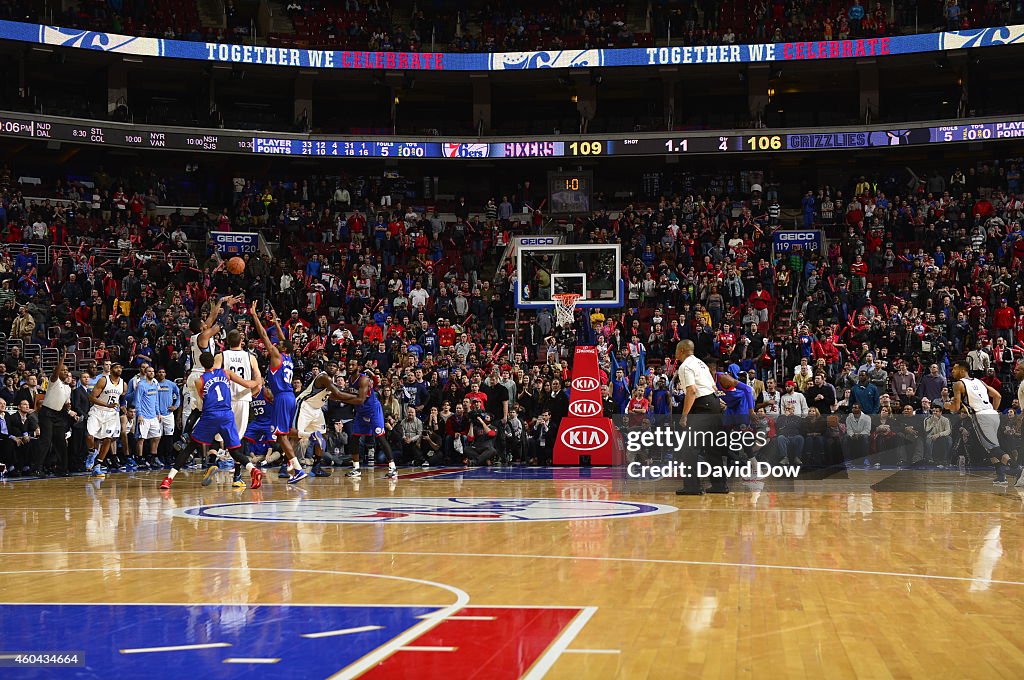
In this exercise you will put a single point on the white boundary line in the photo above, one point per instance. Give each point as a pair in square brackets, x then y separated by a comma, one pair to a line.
[542, 665]
[592, 651]
[414, 648]
[583, 558]
[174, 648]
[245, 659]
[275, 604]
[343, 631]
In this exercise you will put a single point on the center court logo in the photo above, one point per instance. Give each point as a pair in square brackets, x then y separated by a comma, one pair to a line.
[424, 510]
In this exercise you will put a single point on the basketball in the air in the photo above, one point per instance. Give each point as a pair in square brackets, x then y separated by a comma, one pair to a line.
[236, 265]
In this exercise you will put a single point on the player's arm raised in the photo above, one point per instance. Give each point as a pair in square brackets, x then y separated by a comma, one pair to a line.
[56, 369]
[212, 327]
[272, 351]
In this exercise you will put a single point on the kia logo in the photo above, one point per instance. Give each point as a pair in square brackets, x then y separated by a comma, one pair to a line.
[585, 407]
[584, 438]
[585, 384]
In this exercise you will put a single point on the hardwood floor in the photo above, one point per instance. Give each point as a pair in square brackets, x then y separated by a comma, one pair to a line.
[555, 573]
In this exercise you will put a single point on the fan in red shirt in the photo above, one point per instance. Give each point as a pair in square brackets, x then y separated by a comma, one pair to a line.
[638, 407]
[1003, 319]
[445, 334]
[726, 342]
[357, 223]
[475, 394]
[373, 333]
[859, 267]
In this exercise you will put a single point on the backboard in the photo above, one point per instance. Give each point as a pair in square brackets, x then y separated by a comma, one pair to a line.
[593, 271]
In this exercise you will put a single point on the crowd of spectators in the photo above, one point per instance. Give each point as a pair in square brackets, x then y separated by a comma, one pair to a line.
[919, 271]
[707, 22]
[511, 26]
[569, 24]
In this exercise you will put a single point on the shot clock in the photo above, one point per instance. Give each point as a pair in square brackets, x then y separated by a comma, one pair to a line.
[569, 192]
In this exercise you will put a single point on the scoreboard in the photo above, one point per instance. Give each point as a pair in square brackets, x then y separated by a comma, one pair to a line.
[123, 135]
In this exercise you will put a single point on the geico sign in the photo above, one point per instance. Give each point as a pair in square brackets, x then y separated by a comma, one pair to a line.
[797, 236]
[585, 408]
[537, 241]
[585, 384]
[584, 438]
[234, 238]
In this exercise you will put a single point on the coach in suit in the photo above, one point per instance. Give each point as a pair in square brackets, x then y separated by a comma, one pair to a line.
[7, 458]
[700, 401]
[23, 427]
[80, 406]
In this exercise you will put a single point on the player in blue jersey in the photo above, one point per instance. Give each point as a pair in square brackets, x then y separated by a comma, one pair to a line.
[216, 418]
[259, 433]
[279, 379]
[369, 420]
[737, 396]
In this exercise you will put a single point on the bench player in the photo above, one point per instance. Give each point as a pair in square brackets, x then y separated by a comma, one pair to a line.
[216, 418]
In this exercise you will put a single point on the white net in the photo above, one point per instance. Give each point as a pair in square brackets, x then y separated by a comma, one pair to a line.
[565, 308]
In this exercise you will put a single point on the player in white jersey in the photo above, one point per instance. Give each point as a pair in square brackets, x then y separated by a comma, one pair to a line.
[200, 343]
[242, 363]
[982, 404]
[104, 423]
[309, 415]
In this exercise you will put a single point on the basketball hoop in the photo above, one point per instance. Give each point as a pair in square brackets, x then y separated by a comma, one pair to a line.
[565, 307]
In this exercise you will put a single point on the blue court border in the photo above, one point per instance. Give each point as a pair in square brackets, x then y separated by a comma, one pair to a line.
[98, 632]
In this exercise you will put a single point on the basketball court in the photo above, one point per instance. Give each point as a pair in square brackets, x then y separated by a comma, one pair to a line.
[515, 573]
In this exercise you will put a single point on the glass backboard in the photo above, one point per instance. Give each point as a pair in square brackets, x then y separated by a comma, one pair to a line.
[592, 271]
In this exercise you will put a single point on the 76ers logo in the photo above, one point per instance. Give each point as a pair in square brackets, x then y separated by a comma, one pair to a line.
[464, 150]
[424, 510]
